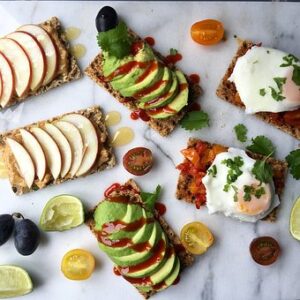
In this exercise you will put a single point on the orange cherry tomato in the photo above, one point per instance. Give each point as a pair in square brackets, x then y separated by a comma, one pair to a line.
[207, 32]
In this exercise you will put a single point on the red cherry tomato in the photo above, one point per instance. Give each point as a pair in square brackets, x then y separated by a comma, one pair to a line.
[138, 161]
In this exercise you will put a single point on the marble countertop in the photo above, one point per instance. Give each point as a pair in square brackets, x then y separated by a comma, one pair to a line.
[226, 271]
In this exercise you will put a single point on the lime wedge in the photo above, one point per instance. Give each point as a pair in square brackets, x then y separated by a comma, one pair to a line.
[61, 213]
[14, 281]
[295, 220]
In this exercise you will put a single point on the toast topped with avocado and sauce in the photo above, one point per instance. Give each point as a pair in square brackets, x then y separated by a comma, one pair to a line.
[33, 60]
[56, 150]
[139, 77]
[276, 100]
[144, 249]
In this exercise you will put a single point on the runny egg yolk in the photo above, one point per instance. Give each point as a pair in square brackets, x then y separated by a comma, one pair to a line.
[290, 90]
[255, 205]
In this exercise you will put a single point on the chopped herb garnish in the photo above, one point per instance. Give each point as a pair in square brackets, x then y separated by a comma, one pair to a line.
[213, 171]
[293, 160]
[259, 192]
[277, 95]
[262, 92]
[296, 74]
[250, 190]
[235, 197]
[173, 51]
[262, 171]
[241, 132]
[262, 145]
[268, 51]
[234, 171]
[195, 120]
[289, 60]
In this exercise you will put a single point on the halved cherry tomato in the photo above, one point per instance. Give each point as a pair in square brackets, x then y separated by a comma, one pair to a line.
[196, 237]
[138, 161]
[78, 264]
[207, 32]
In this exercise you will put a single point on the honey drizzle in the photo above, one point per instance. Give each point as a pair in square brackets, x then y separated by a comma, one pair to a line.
[72, 33]
[112, 118]
[78, 50]
[122, 136]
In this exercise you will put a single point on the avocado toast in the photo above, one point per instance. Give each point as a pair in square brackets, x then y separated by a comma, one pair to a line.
[142, 79]
[190, 182]
[145, 250]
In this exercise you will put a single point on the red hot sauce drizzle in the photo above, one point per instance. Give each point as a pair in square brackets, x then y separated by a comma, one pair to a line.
[161, 208]
[116, 271]
[194, 78]
[140, 114]
[173, 58]
[150, 41]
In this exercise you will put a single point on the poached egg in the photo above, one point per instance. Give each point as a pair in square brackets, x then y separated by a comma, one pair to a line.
[265, 80]
[246, 198]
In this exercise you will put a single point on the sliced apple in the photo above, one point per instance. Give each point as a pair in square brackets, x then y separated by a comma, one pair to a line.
[75, 140]
[7, 81]
[52, 154]
[63, 145]
[35, 151]
[20, 64]
[47, 44]
[24, 161]
[89, 138]
[36, 56]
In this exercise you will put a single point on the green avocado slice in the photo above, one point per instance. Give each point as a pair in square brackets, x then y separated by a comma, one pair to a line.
[156, 91]
[173, 276]
[179, 101]
[165, 98]
[151, 78]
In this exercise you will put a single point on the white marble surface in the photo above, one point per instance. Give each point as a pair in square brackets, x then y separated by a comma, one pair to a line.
[226, 271]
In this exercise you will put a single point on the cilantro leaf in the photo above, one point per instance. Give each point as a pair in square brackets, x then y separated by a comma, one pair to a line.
[149, 199]
[212, 171]
[262, 171]
[262, 92]
[241, 132]
[173, 51]
[296, 74]
[115, 41]
[262, 145]
[195, 120]
[293, 160]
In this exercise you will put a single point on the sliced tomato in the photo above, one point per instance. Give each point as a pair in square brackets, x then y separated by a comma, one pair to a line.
[207, 32]
[138, 161]
[192, 155]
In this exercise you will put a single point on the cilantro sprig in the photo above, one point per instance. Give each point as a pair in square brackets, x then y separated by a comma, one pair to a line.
[250, 190]
[213, 171]
[241, 132]
[149, 199]
[293, 160]
[116, 41]
[234, 171]
[291, 60]
[194, 120]
[262, 145]
[262, 171]
[277, 94]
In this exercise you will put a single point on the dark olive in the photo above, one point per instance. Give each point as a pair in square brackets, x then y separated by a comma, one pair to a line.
[106, 19]
[27, 236]
[7, 223]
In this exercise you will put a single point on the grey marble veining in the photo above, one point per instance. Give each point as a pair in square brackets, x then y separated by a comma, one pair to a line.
[226, 271]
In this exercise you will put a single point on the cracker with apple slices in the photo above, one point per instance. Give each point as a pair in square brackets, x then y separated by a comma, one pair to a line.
[104, 158]
[131, 189]
[62, 69]
[288, 122]
[163, 126]
[279, 171]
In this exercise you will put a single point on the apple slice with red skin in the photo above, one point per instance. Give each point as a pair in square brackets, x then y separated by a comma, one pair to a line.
[45, 40]
[52, 154]
[24, 161]
[20, 64]
[36, 56]
[8, 81]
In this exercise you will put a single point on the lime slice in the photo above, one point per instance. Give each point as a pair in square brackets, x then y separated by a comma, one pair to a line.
[61, 213]
[295, 220]
[14, 281]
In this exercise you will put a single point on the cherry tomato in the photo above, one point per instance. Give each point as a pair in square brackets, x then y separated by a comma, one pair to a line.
[207, 32]
[264, 250]
[78, 264]
[138, 161]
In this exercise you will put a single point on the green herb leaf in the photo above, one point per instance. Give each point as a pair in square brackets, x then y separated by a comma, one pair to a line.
[296, 74]
[173, 51]
[276, 95]
[241, 132]
[262, 145]
[259, 192]
[116, 41]
[235, 197]
[195, 120]
[288, 60]
[262, 171]
[149, 199]
[248, 191]
[293, 160]
[234, 170]
[213, 171]
[262, 92]
[280, 81]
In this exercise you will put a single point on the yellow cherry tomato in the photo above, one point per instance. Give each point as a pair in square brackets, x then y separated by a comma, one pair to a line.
[196, 237]
[78, 264]
[207, 32]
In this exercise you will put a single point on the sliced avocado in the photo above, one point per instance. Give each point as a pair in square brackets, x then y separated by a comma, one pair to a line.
[139, 257]
[161, 89]
[179, 101]
[173, 275]
[165, 98]
[154, 76]
[108, 211]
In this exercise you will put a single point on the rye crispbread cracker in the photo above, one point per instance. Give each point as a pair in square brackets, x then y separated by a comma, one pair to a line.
[163, 126]
[279, 171]
[69, 72]
[186, 258]
[105, 158]
[227, 91]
